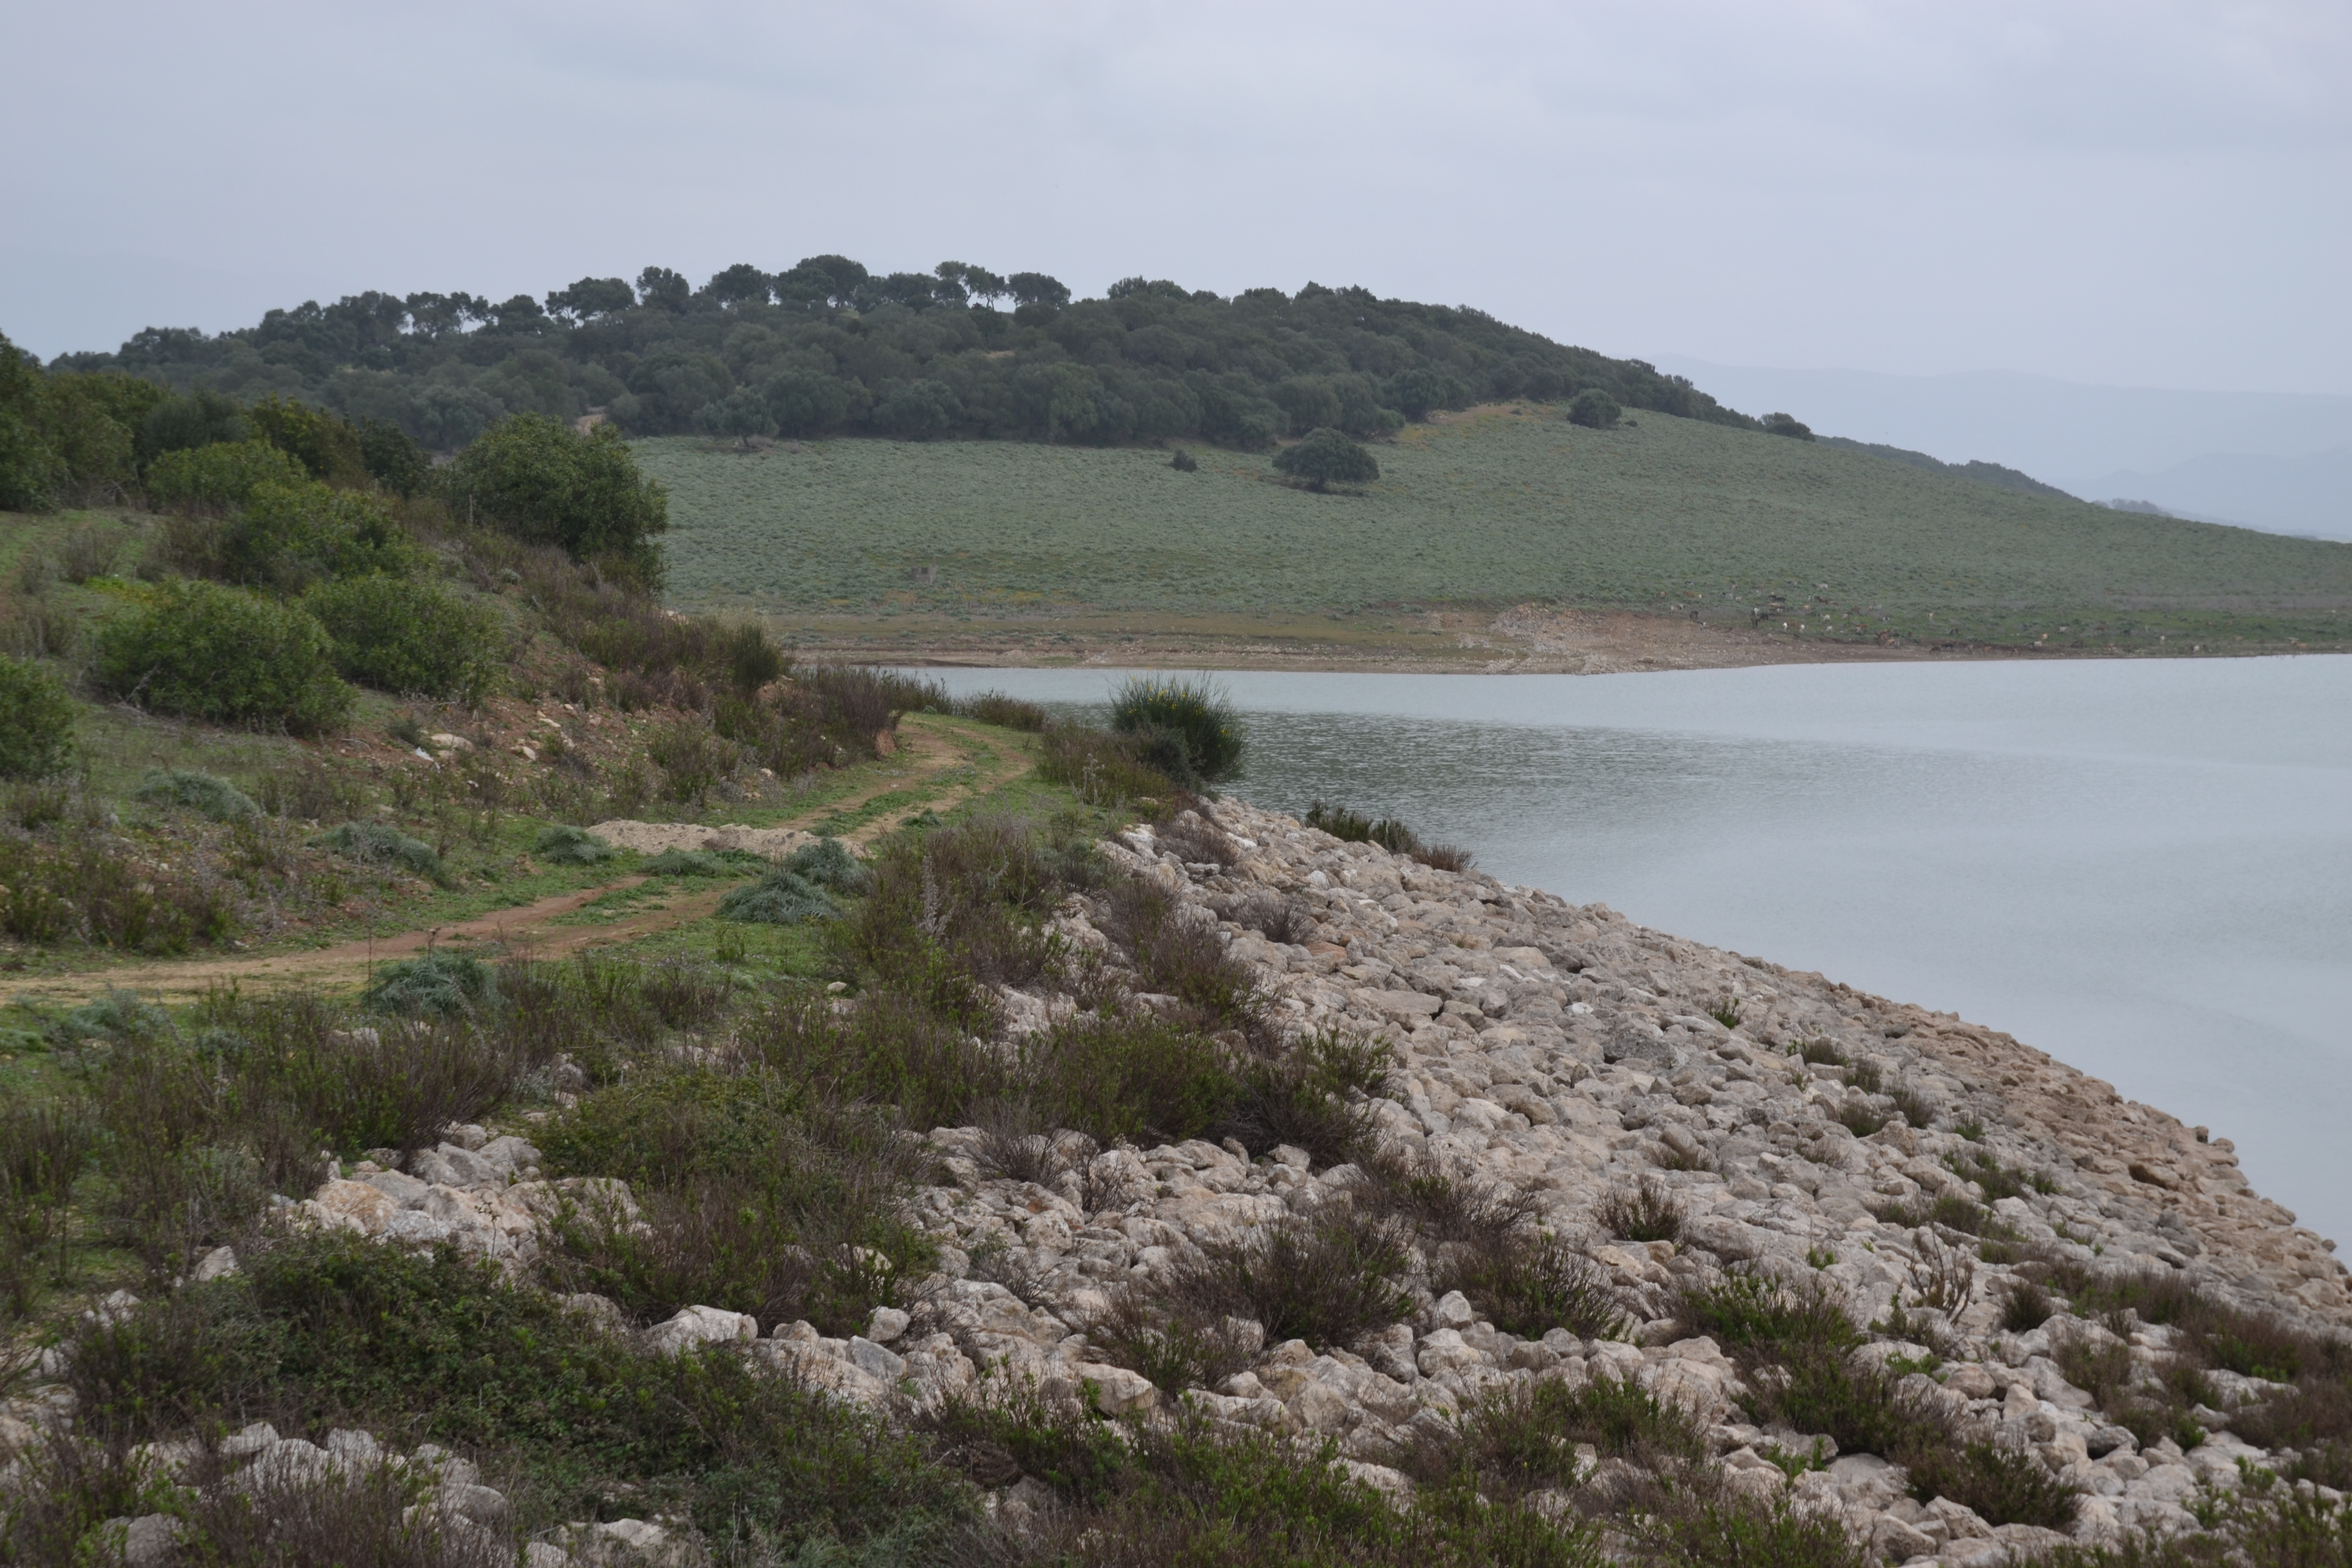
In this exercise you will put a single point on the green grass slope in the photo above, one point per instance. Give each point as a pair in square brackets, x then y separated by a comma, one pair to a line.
[1495, 508]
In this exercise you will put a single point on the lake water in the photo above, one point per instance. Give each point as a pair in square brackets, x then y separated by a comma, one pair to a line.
[2143, 868]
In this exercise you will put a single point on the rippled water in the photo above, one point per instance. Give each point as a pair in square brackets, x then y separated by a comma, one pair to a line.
[2143, 868]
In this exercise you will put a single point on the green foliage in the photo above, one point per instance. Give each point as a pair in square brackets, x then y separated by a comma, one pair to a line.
[1787, 425]
[570, 847]
[379, 843]
[1662, 515]
[449, 984]
[1594, 408]
[1100, 769]
[87, 886]
[286, 536]
[539, 479]
[763, 1197]
[207, 793]
[37, 722]
[408, 636]
[1325, 457]
[327, 447]
[696, 863]
[66, 435]
[185, 420]
[1531, 1284]
[1187, 727]
[220, 475]
[782, 898]
[1524, 1439]
[829, 864]
[1647, 1211]
[326, 1329]
[828, 345]
[227, 655]
[1390, 833]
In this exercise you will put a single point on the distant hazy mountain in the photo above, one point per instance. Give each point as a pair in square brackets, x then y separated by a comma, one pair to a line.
[1982, 472]
[2272, 460]
[2310, 494]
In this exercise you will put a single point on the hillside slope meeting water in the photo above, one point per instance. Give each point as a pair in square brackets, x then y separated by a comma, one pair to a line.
[2144, 869]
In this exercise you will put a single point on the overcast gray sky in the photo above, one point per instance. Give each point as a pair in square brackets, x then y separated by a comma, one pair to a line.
[2140, 193]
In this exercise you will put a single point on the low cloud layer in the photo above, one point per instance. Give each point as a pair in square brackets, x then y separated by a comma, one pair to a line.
[2147, 194]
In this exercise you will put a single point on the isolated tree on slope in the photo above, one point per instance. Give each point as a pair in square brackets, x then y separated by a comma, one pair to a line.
[1325, 457]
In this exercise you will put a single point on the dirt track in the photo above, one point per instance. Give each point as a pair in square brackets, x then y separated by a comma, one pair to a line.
[535, 930]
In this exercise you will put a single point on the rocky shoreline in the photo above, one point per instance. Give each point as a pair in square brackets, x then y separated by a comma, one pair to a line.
[1904, 1164]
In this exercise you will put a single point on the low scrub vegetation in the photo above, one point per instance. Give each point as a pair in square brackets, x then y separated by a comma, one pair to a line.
[227, 655]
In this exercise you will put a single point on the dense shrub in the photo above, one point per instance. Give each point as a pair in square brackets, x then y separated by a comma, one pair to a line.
[286, 537]
[1010, 713]
[189, 419]
[409, 636]
[1593, 407]
[227, 655]
[1332, 1281]
[1325, 457]
[447, 984]
[760, 1196]
[570, 847]
[539, 479]
[66, 435]
[782, 898]
[1187, 728]
[207, 793]
[219, 476]
[1099, 768]
[37, 722]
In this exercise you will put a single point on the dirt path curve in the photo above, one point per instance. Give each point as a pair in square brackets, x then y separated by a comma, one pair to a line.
[535, 930]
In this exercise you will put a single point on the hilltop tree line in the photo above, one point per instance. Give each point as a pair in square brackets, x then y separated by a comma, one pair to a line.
[827, 347]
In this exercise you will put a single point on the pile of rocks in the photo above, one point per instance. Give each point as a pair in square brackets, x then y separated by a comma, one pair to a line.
[1565, 1054]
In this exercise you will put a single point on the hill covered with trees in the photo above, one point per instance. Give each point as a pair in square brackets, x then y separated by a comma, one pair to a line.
[828, 347]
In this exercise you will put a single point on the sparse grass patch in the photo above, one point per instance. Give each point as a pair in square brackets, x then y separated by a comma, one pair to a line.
[1646, 1211]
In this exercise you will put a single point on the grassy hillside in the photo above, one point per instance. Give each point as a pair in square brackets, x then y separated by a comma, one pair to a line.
[1497, 507]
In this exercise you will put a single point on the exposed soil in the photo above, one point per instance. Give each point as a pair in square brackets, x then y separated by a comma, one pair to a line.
[1524, 638]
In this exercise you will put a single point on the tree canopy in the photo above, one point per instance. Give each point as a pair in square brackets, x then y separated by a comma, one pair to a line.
[542, 481]
[1326, 457]
[829, 346]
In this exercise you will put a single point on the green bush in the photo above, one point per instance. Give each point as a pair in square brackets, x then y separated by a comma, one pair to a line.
[409, 636]
[829, 864]
[227, 655]
[536, 479]
[780, 898]
[571, 846]
[449, 984]
[287, 536]
[1194, 714]
[375, 843]
[207, 793]
[1324, 457]
[190, 419]
[1594, 408]
[693, 863]
[37, 722]
[216, 476]
[1391, 833]
[1099, 768]
[329, 1329]
[759, 1196]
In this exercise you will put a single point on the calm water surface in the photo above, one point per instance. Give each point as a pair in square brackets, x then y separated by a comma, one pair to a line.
[2142, 868]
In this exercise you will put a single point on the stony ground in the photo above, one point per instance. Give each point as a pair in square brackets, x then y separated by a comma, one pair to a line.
[1563, 1053]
